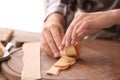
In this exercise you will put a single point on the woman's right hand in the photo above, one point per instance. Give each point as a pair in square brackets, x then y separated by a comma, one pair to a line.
[52, 35]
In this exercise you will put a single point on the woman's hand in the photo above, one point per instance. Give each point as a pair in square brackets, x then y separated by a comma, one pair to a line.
[52, 35]
[87, 23]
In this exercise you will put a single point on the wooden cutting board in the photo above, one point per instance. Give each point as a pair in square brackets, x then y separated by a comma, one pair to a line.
[12, 68]
[99, 60]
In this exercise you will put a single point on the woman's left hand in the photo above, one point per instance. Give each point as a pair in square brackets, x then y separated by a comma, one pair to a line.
[87, 23]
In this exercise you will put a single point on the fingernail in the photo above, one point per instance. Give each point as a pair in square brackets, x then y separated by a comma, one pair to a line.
[60, 47]
[56, 55]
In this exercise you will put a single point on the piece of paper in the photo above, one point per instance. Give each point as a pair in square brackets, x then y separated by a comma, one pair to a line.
[31, 61]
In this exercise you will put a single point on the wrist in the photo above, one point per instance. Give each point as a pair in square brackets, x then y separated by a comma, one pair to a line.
[56, 18]
[116, 16]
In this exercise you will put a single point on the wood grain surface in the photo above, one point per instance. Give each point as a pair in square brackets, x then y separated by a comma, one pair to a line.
[12, 68]
[99, 60]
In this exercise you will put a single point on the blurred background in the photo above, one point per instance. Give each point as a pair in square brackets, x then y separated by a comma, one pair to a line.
[27, 15]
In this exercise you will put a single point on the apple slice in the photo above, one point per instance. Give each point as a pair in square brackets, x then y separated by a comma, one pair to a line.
[53, 71]
[62, 62]
[63, 67]
[63, 52]
[77, 47]
[71, 51]
[70, 60]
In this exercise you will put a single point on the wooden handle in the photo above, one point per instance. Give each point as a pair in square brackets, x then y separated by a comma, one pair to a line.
[6, 35]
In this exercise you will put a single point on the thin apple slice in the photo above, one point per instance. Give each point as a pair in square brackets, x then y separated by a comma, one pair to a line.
[53, 71]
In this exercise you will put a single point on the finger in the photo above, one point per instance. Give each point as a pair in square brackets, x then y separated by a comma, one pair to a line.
[51, 42]
[69, 32]
[68, 39]
[82, 35]
[85, 33]
[44, 45]
[83, 27]
[74, 35]
[63, 41]
[78, 18]
[57, 35]
[62, 35]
